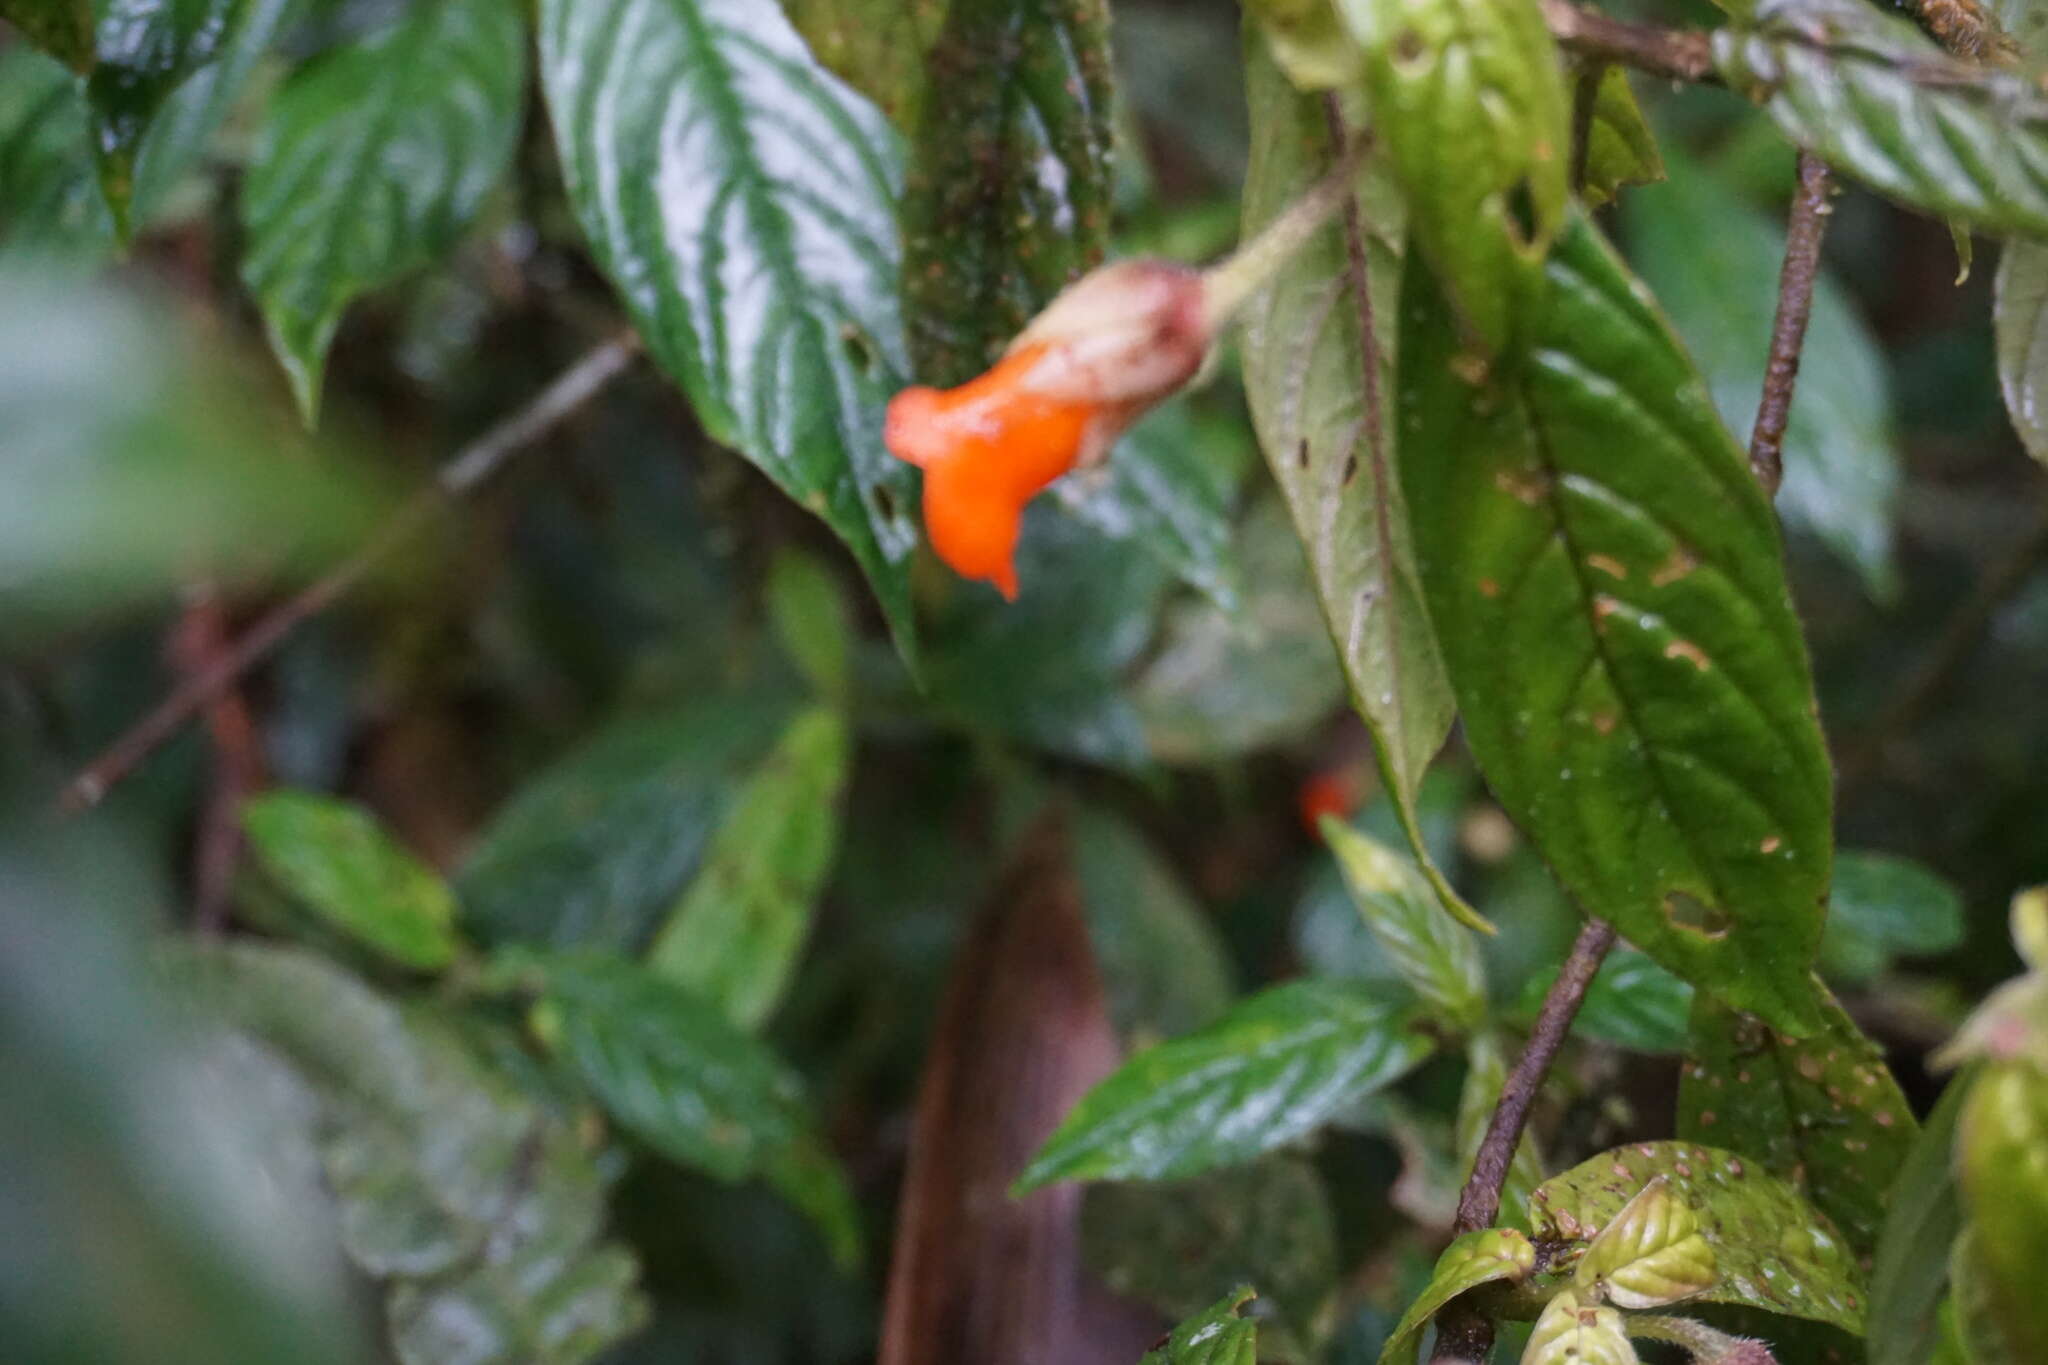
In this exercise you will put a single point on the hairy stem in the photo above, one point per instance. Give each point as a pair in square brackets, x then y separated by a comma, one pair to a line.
[1464, 1335]
[470, 466]
[1811, 205]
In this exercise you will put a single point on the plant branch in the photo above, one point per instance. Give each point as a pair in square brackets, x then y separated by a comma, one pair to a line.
[1811, 205]
[1676, 54]
[200, 634]
[1464, 1335]
[470, 466]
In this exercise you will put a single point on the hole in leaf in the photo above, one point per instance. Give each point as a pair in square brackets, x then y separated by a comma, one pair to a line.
[1520, 206]
[1409, 49]
[857, 348]
[1694, 915]
[1301, 454]
[1350, 469]
[885, 503]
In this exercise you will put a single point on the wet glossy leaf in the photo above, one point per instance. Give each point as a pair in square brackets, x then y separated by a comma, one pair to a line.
[1178, 1244]
[1163, 964]
[1885, 907]
[1773, 1250]
[50, 200]
[1923, 1213]
[334, 857]
[62, 28]
[1586, 527]
[1435, 954]
[1472, 1260]
[1221, 681]
[1632, 1003]
[876, 46]
[1324, 415]
[673, 1072]
[1271, 1070]
[1215, 1337]
[2019, 316]
[1873, 96]
[144, 49]
[1620, 148]
[592, 850]
[735, 937]
[1007, 189]
[372, 161]
[2002, 1165]
[1822, 1112]
[1470, 100]
[1713, 263]
[742, 201]
[1650, 1254]
[479, 1212]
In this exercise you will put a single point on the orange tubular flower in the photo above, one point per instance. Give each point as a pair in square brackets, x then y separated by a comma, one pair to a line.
[1109, 347]
[1103, 352]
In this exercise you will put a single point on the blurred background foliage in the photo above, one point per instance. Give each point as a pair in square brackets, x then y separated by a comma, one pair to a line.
[630, 669]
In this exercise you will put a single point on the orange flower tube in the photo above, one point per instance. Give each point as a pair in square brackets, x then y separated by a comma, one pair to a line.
[1105, 351]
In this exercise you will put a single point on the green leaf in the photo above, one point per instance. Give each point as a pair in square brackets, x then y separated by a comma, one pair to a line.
[811, 622]
[1713, 264]
[1909, 1273]
[1217, 1336]
[1271, 1070]
[50, 201]
[876, 46]
[1435, 954]
[2001, 1136]
[1870, 94]
[1220, 681]
[1972, 1319]
[1822, 1112]
[334, 856]
[1470, 101]
[1620, 148]
[1049, 668]
[1773, 1250]
[742, 201]
[1586, 527]
[1322, 408]
[1472, 1260]
[1007, 190]
[1178, 1244]
[1308, 41]
[1163, 965]
[479, 1212]
[1632, 1003]
[62, 28]
[672, 1071]
[1172, 486]
[1884, 907]
[735, 937]
[593, 850]
[114, 492]
[1572, 1333]
[145, 48]
[372, 161]
[1650, 1254]
[2019, 319]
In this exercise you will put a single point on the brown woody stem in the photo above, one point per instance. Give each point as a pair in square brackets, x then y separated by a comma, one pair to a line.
[469, 467]
[1803, 233]
[1674, 53]
[1465, 1335]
